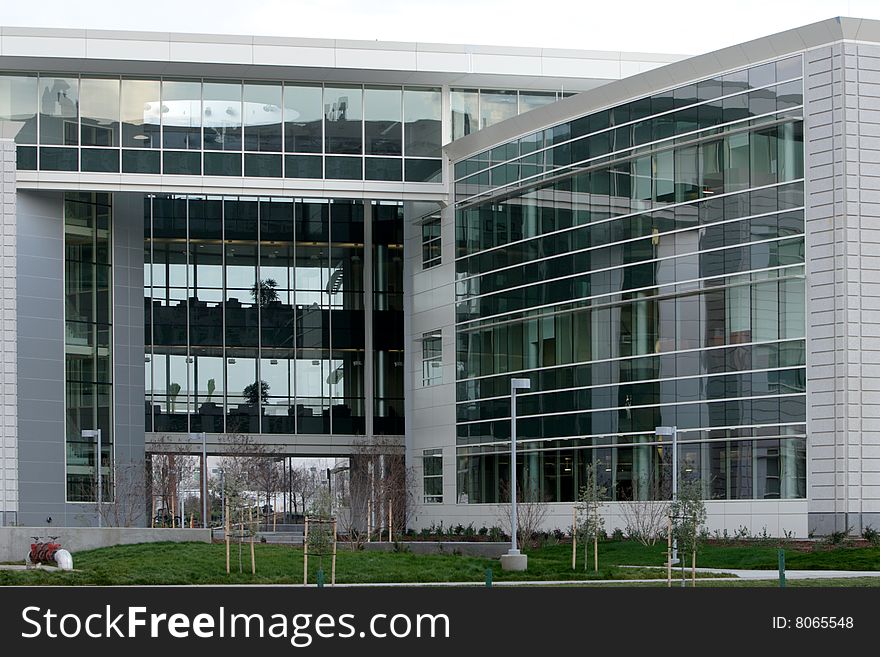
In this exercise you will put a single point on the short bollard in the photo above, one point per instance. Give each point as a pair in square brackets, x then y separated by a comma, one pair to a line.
[781, 568]
[320, 578]
[489, 577]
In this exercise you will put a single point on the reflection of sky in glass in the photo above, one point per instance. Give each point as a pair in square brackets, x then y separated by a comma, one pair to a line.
[140, 102]
[382, 104]
[181, 104]
[311, 375]
[204, 369]
[421, 104]
[240, 374]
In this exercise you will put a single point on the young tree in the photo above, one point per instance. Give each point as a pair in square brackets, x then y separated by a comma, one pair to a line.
[531, 511]
[646, 518]
[267, 475]
[591, 523]
[125, 489]
[378, 480]
[250, 469]
[171, 466]
[303, 483]
[688, 518]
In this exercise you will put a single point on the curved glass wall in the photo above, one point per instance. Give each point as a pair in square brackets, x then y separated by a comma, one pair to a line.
[643, 266]
[255, 315]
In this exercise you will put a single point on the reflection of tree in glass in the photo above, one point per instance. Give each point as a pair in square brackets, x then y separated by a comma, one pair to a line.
[173, 391]
[264, 292]
[212, 386]
[250, 393]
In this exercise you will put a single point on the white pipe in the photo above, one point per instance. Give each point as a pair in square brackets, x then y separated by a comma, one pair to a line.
[64, 559]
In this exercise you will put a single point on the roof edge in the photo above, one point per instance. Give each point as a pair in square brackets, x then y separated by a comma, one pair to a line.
[245, 39]
[675, 74]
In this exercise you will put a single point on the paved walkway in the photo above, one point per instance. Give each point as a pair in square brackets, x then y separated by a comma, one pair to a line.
[767, 575]
[676, 576]
[789, 574]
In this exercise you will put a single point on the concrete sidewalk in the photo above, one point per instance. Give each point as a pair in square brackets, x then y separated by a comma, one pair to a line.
[753, 575]
[789, 574]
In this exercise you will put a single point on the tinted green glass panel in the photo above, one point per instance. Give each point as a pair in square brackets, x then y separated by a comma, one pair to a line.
[383, 168]
[182, 162]
[262, 165]
[100, 159]
[140, 161]
[423, 170]
[343, 168]
[222, 164]
[58, 159]
[26, 158]
[302, 166]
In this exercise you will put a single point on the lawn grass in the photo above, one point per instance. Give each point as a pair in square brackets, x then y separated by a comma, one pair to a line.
[203, 563]
[747, 556]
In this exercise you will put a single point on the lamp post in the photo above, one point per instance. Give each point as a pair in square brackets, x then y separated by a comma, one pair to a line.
[514, 560]
[96, 434]
[673, 433]
[330, 473]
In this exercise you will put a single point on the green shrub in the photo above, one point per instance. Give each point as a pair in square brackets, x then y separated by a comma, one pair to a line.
[838, 538]
[495, 534]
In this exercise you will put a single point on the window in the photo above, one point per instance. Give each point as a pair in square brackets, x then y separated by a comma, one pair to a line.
[431, 243]
[432, 463]
[432, 356]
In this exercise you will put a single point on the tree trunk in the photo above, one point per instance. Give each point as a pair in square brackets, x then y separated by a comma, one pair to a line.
[694, 568]
[596, 552]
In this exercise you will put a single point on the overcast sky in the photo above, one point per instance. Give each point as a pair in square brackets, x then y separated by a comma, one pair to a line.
[636, 25]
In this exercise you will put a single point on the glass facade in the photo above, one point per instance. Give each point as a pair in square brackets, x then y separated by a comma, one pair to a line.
[87, 343]
[643, 266]
[475, 109]
[255, 314]
[224, 127]
[431, 243]
[432, 358]
[432, 475]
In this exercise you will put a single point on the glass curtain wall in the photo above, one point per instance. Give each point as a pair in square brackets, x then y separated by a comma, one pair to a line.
[255, 315]
[474, 109]
[663, 289]
[387, 220]
[236, 128]
[87, 344]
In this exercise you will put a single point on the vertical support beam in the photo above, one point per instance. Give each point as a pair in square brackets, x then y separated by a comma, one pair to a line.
[333, 567]
[306, 552]
[8, 333]
[369, 393]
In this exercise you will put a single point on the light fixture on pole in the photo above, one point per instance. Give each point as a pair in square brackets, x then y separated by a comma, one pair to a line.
[96, 434]
[514, 559]
[672, 432]
[330, 473]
